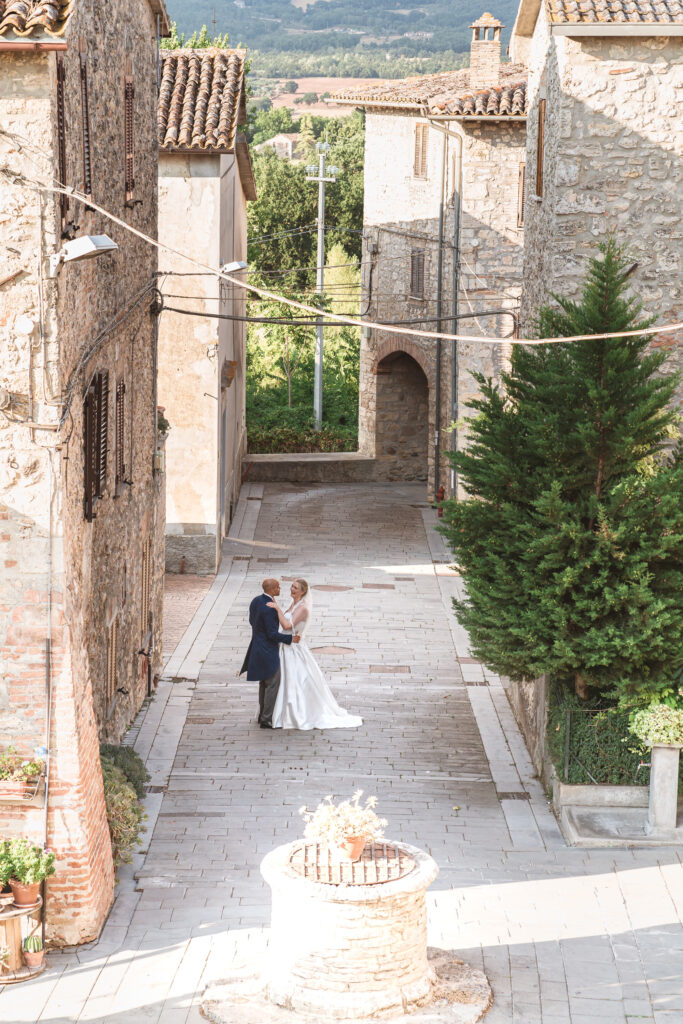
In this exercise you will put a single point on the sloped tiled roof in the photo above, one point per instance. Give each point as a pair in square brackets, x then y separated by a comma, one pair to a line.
[35, 17]
[447, 92]
[615, 12]
[201, 100]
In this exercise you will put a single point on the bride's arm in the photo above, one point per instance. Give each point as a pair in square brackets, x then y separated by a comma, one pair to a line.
[285, 622]
[299, 614]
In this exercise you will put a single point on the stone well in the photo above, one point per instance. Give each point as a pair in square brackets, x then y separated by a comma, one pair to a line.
[349, 939]
[348, 942]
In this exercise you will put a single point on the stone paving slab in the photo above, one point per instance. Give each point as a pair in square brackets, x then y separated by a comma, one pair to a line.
[566, 935]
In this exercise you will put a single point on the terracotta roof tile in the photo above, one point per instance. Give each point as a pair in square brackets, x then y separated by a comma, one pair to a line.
[34, 17]
[614, 12]
[201, 100]
[447, 92]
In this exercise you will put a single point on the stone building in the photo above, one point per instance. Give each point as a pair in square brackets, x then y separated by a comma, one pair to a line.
[605, 144]
[81, 504]
[285, 145]
[443, 236]
[205, 181]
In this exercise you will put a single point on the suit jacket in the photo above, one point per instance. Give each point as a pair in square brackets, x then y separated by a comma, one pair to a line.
[262, 659]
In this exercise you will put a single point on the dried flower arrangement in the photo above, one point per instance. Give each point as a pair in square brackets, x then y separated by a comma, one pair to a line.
[332, 823]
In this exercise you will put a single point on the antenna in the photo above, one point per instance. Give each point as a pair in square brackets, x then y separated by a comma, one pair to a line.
[213, 22]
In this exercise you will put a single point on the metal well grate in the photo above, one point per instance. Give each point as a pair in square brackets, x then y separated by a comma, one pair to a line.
[379, 862]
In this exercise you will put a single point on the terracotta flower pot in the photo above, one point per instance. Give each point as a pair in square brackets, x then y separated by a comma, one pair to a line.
[24, 895]
[351, 848]
[34, 959]
[6, 898]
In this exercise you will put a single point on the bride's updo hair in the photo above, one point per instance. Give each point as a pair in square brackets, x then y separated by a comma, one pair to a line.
[304, 586]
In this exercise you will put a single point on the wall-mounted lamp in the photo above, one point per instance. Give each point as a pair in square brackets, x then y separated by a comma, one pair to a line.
[85, 248]
[232, 268]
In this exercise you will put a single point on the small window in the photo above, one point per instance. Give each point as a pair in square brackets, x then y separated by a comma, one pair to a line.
[520, 195]
[85, 115]
[417, 273]
[95, 438]
[120, 436]
[129, 117]
[421, 147]
[146, 582]
[540, 148]
[61, 140]
[112, 655]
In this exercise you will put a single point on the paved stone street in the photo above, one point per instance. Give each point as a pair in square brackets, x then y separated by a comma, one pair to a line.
[567, 936]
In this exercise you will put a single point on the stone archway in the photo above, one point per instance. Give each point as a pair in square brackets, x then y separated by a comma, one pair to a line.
[402, 418]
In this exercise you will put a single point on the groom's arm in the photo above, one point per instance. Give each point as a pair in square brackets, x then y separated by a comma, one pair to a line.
[271, 623]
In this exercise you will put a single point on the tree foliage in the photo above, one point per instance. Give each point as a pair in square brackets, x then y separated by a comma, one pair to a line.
[571, 541]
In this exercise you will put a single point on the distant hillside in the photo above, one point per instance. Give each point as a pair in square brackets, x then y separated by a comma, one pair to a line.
[378, 27]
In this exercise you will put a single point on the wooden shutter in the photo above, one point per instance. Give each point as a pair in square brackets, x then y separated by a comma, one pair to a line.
[520, 195]
[540, 147]
[146, 587]
[90, 451]
[421, 146]
[102, 431]
[120, 432]
[417, 273]
[112, 652]
[85, 114]
[129, 117]
[61, 139]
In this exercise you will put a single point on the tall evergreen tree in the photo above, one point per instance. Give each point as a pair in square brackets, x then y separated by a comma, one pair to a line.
[571, 540]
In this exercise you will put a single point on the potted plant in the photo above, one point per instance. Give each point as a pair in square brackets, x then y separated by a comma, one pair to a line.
[6, 895]
[33, 951]
[18, 776]
[659, 726]
[31, 864]
[344, 827]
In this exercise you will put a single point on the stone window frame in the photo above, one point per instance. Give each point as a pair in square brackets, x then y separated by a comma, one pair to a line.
[421, 151]
[417, 273]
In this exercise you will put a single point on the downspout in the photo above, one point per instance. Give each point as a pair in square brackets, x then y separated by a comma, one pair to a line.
[439, 310]
[455, 356]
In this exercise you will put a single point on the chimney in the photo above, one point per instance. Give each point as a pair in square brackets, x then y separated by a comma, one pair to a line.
[485, 53]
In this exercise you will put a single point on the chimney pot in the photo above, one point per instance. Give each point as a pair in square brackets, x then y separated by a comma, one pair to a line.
[485, 52]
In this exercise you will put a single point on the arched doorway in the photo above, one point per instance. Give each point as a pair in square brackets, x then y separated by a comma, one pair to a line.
[402, 423]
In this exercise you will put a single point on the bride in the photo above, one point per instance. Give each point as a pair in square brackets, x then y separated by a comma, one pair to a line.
[304, 700]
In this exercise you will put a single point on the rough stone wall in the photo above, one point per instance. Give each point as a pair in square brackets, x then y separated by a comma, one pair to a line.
[402, 417]
[613, 148]
[529, 701]
[402, 215]
[207, 440]
[64, 579]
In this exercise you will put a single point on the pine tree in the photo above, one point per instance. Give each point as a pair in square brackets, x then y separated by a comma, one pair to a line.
[571, 541]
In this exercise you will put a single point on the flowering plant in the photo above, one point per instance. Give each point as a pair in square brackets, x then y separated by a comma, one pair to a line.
[15, 768]
[5, 864]
[30, 863]
[658, 725]
[332, 823]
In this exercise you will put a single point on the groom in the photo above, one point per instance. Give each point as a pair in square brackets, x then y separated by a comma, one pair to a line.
[262, 661]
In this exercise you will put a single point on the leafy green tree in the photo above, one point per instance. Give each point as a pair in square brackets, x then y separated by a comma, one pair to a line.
[571, 540]
[197, 41]
[264, 124]
[290, 87]
[281, 223]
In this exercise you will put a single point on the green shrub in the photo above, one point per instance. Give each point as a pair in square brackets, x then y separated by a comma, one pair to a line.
[131, 765]
[301, 439]
[124, 812]
[5, 864]
[29, 862]
[658, 724]
[601, 748]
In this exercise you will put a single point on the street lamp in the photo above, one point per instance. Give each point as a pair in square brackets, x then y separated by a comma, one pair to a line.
[232, 268]
[324, 175]
[87, 247]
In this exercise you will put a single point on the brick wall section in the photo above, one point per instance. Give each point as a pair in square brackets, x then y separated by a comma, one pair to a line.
[613, 149]
[91, 571]
[491, 260]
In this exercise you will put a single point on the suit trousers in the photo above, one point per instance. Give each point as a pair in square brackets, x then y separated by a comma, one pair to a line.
[267, 695]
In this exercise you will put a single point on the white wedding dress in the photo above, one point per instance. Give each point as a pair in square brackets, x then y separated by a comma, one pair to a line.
[304, 700]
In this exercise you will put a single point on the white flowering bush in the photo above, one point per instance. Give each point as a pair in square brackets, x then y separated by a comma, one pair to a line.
[332, 823]
[658, 725]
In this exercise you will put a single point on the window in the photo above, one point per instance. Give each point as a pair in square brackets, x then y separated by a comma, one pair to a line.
[120, 435]
[146, 587]
[129, 118]
[520, 195]
[417, 273]
[61, 141]
[112, 652]
[95, 434]
[540, 147]
[85, 114]
[421, 147]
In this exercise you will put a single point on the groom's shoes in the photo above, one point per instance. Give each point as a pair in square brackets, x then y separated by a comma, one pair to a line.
[265, 725]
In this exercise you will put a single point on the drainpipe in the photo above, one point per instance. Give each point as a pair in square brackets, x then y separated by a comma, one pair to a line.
[439, 310]
[455, 357]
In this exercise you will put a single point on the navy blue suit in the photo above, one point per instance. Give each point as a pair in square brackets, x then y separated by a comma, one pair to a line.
[262, 660]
